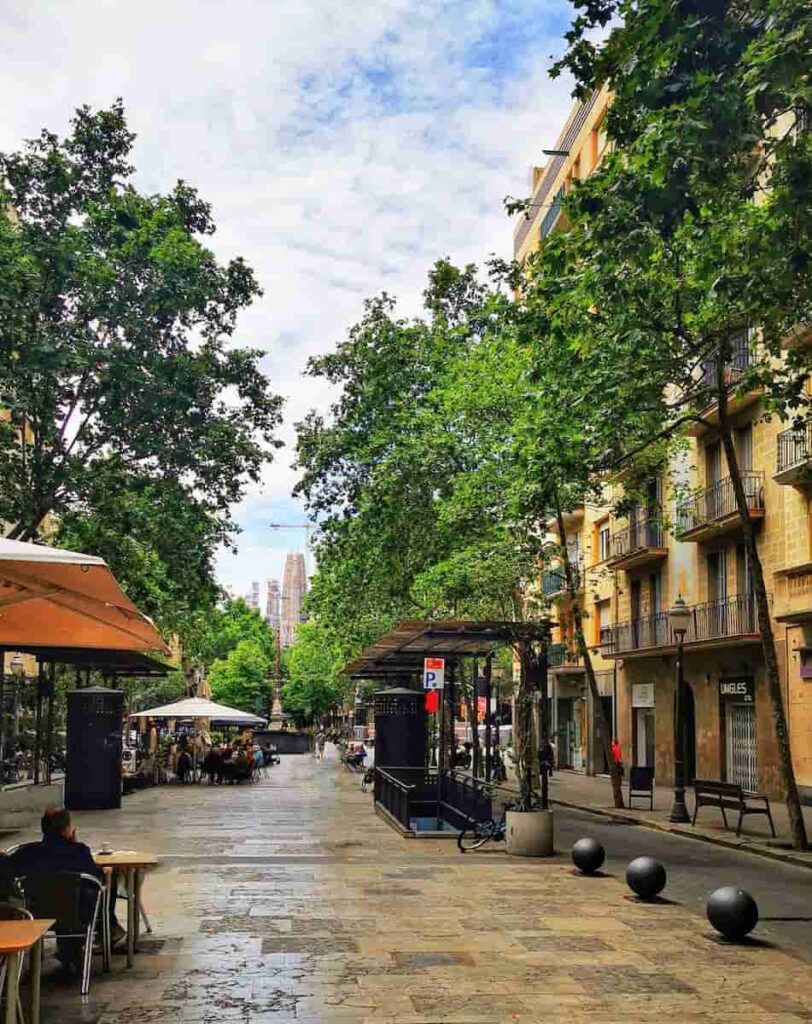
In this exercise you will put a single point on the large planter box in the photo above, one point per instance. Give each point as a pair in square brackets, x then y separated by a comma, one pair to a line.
[529, 833]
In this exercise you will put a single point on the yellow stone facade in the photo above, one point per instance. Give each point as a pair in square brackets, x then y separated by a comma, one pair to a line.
[634, 571]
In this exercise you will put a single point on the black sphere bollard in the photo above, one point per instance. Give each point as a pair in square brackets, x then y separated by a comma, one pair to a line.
[646, 877]
[587, 855]
[732, 912]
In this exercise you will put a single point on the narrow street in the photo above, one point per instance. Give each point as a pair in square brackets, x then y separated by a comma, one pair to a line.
[289, 901]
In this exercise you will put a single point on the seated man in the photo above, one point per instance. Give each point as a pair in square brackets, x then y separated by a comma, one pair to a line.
[59, 851]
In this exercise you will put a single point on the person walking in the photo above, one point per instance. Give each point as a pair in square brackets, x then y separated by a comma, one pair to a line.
[321, 742]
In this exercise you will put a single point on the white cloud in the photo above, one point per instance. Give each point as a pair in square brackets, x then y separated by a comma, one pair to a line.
[344, 149]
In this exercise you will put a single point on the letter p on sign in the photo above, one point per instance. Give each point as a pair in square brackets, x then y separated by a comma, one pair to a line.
[433, 673]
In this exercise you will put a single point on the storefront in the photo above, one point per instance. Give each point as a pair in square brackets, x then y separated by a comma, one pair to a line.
[643, 735]
[738, 718]
[569, 721]
[606, 692]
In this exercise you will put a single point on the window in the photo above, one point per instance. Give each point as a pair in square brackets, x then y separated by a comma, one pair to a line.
[603, 619]
[743, 442]
[604, 541]
[655, 592]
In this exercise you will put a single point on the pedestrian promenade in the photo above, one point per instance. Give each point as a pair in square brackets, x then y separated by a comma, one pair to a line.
[290, 902]
[594, 793]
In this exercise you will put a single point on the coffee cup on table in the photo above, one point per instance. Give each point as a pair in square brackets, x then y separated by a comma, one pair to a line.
[106, 848]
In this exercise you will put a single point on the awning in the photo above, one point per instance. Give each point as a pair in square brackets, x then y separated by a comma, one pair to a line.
[64, 599]
[402, 649]
[199, 707]
[119, 663]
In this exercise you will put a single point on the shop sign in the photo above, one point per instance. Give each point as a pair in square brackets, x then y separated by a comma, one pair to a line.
[740, 691]
[643, 695]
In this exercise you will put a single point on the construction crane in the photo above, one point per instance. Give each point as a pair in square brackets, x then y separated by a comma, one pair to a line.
[307, 527]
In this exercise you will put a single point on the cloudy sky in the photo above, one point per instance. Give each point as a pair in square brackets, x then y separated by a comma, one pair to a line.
[344, 148]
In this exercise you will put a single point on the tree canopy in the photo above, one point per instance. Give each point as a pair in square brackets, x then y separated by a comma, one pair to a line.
[132, 422]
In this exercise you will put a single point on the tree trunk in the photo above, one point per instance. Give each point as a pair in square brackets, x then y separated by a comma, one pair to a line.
[796, 818]
[523, 729]
[577, 618]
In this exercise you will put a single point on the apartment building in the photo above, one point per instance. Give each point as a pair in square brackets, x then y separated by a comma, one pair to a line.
[632, 570]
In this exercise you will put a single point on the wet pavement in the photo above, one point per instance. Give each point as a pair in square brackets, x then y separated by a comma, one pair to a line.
[290, 901]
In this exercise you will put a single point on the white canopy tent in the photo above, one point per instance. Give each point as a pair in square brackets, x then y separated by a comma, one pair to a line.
[199, 707]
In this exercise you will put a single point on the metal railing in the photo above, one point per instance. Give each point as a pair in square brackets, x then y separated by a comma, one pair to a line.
[741, 357]
[794, 447]
[394, 795]
[730, 616]
[719, 500]
[645, 533]
[561, 654]
[554, 581]
[553, 168]
[409, 793]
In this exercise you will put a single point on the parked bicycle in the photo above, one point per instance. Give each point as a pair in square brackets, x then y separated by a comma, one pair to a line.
[492, 830]
[480, 832]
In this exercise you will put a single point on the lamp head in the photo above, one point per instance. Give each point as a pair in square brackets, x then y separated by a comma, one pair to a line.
[679, 617]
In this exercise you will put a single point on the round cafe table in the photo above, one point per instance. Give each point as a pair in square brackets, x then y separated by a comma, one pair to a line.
[133, 864]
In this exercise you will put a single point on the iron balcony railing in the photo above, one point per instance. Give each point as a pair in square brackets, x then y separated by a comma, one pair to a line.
[794, 447]
[719, 500]
[554, 581]
[731, 616]
[561, 654]
[741, 357]
[645, 533]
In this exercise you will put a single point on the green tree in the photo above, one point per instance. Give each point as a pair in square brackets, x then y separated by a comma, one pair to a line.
[241, 678]
[221, 631]
[315, 682]
[115, 335]
[158, 541]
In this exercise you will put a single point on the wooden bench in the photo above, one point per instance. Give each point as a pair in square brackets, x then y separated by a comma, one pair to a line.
[641, 784]
[727, 796]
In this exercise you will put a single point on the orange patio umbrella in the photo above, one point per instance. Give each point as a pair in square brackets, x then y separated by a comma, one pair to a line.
[55, 598]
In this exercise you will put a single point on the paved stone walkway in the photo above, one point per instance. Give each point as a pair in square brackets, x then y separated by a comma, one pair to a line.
[290, 902]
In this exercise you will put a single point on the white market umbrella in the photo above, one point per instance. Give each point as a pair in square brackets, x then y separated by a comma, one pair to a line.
[199, 707]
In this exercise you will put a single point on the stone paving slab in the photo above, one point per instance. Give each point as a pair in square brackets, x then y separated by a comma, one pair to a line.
[365, 926]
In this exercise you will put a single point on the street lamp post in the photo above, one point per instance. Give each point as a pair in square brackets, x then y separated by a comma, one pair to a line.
[678, 619]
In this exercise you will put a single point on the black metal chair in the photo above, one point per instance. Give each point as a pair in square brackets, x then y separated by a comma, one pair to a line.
[59, 896]
[641, 784]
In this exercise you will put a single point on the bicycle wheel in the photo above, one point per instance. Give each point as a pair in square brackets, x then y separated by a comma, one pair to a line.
[474, 837]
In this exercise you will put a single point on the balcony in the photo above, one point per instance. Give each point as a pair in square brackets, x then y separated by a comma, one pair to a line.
[641, 543]
[793, 462]
[794, 594]
[561, 658]
[741, 359]
[554, 581]
[714, 511]
[731, 620]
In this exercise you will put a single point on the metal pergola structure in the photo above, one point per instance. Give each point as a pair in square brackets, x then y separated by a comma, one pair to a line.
[397, 657]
